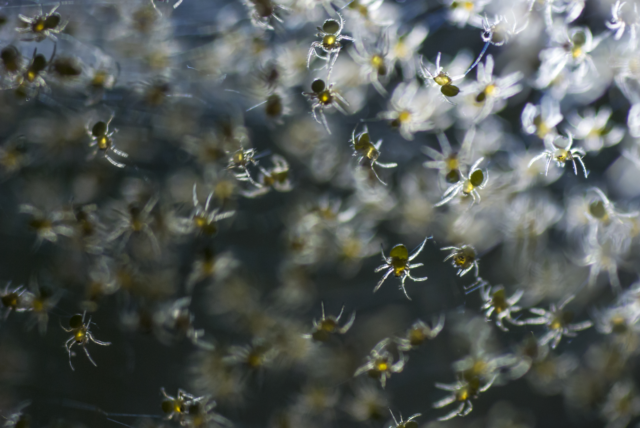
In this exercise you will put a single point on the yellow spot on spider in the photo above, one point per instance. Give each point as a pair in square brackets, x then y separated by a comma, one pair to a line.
[79, 335]
[490, 89]
[576, 52]
[39, 26]
[442, 79]
[325, 97]
[404, 116]
[382, 366]
[329, 40]
[466, 189]
[377, 61]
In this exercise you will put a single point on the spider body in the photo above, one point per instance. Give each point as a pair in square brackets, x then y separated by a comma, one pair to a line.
[380, 363]
[368, 152]
[463, 258]
[477, 179]
[323, 97]
[562, 155]
[81, 336]
[398, 264]
[42, 26]
[330, 38]
[102, 140]
[329, 325]
[241, 159]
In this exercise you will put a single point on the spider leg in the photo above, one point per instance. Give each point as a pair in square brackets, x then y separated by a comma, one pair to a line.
[402, 285]
[575, 168]
[377, 176]
[97, 342]
[540, 156]
[586, 173]
[451, 195]
[324, 121]
[546, 170]
[119, 152]
[86, 351]
[386, 275]
[113, 161]
[312, 52]
[336, 52]
[69, 350]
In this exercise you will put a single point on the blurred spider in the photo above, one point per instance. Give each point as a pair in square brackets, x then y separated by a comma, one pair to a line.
[398, 264]
[477, 179]
[464, 258]
[324, 97]
[262, 11]
[561, 155]
[603, 210]
[331, 37]
[101, 140]
[276, 177]
[42, 26]
[442, 79]
[17, 418]
[368, 152]
[495, 300]
[135, 220]
[47, 225]
[380, 363]
[558, 322]
[202, 219]
[32, 78]
[81, 336]
[419, 333]
[448, 162]
[463, 391]
[15, 299]
[329, 325]
[409, 423]
[11, 59]
[178, 406]
[240, 160]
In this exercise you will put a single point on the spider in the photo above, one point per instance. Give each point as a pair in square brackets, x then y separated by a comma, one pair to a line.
[329, 325]
[409, 423]
[463, 391]
[419, 332]
[324, 97]
[101, 140]
[561, 155]
[464, 258]
[398, 264]
[380, 363]
[42, 26]
[277, 177]
[81, 336]
[11, 59]
[477, 179]
[32, 77]
[558, 322]
[441, 78]
[331, 37]
[368, 152]
[449, 161]
[134, 219]
[202, 219]
[178, 406]
[495, 300]
[16, 299]
[240, 160]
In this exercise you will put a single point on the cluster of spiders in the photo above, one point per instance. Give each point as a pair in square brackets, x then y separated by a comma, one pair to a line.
[324, 96]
